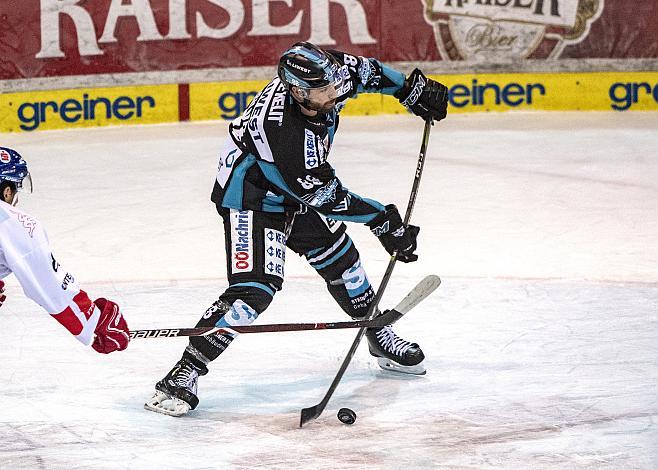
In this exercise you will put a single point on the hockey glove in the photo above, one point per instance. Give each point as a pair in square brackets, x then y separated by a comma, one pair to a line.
[393, 234]
[3, 297]
[423, 96]
[112, 330]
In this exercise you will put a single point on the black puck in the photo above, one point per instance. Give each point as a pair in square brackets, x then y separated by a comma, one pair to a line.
[346, 416]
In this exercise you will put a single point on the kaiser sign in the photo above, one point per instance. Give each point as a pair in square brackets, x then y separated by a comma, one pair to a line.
[233, 16]
[509, 29]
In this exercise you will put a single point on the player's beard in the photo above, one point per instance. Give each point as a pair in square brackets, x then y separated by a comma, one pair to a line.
[324, 108]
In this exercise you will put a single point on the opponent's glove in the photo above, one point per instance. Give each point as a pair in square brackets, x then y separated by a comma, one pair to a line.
[393, 234]
[423, 96]
[3, 297]
[112, 330]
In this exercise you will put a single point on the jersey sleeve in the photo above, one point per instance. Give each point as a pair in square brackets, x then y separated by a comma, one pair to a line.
[299, 168]
[369, 75]
[320, 189]
[45, 281]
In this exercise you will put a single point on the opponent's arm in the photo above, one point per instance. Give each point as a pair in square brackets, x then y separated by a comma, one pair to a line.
[98, 323]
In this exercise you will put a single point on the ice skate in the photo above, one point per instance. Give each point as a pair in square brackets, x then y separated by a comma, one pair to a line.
[393, 353]
[175, 395]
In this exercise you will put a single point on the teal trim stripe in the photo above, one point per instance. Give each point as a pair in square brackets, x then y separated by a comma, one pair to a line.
[258, 285]
[333, 258]
[273, 204]
[273, 175]
[233, 196]
[362, 219]
[359, 219]
[359, 290]
[313, 252]
[395, 76]
[376, 204]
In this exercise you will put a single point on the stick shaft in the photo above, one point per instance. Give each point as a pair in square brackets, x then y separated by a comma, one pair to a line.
[308, 414]
[390, 316]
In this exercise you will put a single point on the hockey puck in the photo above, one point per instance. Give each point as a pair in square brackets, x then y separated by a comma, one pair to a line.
[346, 416]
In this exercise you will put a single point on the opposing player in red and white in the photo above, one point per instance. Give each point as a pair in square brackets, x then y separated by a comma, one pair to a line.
[25, 252]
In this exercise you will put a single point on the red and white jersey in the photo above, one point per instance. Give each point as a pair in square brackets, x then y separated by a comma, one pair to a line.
[25, 251]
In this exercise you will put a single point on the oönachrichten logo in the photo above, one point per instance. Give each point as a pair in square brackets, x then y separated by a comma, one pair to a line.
[493, 30]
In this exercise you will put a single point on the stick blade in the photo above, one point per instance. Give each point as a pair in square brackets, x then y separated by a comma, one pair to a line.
[310, 413]
[424, 288]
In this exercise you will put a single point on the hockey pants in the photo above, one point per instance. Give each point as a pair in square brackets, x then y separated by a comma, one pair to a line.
[256, 245]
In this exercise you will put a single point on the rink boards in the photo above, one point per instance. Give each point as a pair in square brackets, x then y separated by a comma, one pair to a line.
[91, 107]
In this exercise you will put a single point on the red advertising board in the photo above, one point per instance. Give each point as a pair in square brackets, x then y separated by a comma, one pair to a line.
[51, 38]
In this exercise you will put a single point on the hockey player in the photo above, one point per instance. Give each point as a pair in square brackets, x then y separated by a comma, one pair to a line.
[275, 189]
[24, 251]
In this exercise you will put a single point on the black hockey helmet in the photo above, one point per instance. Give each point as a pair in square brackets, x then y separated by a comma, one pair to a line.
[305, 65]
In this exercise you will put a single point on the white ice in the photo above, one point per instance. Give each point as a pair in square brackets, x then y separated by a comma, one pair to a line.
[541, 344]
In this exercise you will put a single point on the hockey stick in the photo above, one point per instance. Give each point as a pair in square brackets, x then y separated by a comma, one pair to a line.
[418, 293]
[390, 316]
[314, 411]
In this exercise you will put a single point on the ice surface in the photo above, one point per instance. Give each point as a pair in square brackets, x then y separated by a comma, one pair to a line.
[541, 343]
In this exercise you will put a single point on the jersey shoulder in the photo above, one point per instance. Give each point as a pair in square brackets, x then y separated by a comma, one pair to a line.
[20, 228]
[271, 122]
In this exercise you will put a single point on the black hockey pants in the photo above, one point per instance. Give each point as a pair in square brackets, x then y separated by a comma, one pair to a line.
[256, 245]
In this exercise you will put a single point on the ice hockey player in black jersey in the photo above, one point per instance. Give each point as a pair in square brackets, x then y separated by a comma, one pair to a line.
[275, 189]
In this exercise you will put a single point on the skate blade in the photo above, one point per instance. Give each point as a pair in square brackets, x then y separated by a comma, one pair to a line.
[171, 406]
[387, 364]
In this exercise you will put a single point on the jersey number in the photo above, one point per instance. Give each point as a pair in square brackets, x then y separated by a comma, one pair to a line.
[309, 182]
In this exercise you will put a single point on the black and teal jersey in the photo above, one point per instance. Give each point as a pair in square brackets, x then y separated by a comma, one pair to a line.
[276, 158]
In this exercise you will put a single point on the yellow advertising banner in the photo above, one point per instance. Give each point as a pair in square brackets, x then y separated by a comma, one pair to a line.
[596, 91]
[88, 107]
[222, 100]
[228, 100]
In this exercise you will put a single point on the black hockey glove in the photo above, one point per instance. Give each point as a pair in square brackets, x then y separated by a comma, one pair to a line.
[423, 96]
[392, 233]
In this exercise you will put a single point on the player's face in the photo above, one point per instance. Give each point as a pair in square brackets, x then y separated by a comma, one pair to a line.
[10, 193]
[322, 99]
[9, 196]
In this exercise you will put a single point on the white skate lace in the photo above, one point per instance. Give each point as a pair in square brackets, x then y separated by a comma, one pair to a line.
[391, 342]
[186, 377]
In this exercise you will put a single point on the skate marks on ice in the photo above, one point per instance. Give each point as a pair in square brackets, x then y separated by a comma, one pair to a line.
[558, 373]
[521, 374]
[454, 431]
[47, 444]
